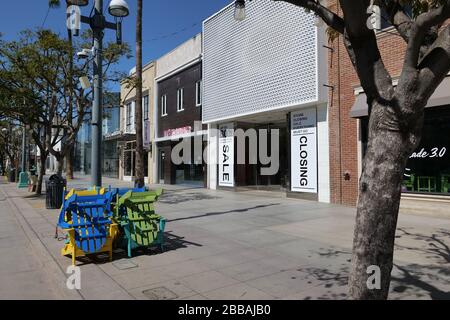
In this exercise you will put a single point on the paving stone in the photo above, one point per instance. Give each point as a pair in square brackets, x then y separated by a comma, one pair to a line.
[240, 291]
[207, 281]
[124, 264]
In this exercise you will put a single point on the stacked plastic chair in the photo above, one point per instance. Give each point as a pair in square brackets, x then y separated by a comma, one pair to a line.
[140, 225]
[87, 218]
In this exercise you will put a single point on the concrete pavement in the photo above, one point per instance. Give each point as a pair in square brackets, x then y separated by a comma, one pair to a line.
[226, 245]
[25, 266]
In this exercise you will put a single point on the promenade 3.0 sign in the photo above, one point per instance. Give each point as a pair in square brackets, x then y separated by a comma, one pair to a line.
[304, 151]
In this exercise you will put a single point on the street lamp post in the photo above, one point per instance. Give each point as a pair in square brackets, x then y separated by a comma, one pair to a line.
[23, 177]
[118, 9]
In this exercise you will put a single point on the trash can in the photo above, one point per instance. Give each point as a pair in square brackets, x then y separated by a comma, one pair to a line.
[54, 189]
[12, 175]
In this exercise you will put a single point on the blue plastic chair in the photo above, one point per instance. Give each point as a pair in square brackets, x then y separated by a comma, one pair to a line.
[88, 220]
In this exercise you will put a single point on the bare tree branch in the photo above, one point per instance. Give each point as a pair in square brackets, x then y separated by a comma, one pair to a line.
[424, 22]
[329, 17]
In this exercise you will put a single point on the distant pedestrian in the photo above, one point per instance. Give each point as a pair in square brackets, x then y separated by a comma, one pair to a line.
[32, 181]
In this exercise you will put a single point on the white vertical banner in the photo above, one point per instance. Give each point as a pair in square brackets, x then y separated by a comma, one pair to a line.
[226, 155]
[304, 151]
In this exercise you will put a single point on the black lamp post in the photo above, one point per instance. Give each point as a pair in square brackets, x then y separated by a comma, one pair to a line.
[118, 9]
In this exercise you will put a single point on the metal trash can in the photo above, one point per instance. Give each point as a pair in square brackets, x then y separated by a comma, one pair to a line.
[54, 189]
[12, 175]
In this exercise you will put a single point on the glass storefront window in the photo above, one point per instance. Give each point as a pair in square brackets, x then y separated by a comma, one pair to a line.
[428, 168]
[110, 166]
[130, 160]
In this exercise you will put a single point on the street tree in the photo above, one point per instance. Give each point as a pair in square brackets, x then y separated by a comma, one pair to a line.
[140, 174]
[37, 69]
[10, 144]
[396, 115]
[70, 153]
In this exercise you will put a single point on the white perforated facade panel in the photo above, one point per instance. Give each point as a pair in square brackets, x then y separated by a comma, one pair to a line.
[265, 62]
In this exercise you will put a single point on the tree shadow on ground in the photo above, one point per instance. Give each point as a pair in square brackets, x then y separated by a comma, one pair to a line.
[209, 214]
[409, 280]
[332, 275]
[34, 196]
[424, 281]
[175, 197]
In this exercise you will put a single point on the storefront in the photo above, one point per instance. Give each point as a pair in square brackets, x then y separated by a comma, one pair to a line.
[128, 152]
[266, 104]
[190, 172]
[179, 133]
[428, 168]
[289, 154]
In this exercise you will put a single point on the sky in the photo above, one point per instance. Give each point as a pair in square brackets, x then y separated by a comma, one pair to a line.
[161, 19]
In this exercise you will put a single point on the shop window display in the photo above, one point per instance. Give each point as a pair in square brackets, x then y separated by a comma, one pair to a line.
[428, 168]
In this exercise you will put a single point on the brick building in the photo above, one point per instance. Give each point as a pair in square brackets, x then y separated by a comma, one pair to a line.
[178, 102]
[348, 121]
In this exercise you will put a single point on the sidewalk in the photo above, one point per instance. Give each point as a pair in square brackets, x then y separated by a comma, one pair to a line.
[226, 245]
[26, 268]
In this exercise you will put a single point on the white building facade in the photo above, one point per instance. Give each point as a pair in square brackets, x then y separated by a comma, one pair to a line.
[267, 73]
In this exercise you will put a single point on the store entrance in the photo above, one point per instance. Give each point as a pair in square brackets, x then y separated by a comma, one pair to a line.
[161, 166]
[254, 179]
[129, 156]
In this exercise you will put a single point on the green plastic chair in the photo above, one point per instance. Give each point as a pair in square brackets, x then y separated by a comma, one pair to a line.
[426, 184]
[445, 184]
[409, 183]
[141, 226]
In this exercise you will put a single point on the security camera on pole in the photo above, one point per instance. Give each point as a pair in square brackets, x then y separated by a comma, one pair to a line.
[97, 21]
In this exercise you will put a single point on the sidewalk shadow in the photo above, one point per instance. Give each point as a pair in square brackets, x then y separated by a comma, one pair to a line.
[430, 280]
[173, 197]
[333, 277]
[35, 196]
[172, 242]
[209, 214]
[408, 280]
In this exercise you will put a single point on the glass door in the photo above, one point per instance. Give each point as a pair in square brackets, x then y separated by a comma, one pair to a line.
[129, 160]
[162, 160]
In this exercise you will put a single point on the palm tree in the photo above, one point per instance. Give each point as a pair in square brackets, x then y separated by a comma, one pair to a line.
[54, 3]
[139, 178]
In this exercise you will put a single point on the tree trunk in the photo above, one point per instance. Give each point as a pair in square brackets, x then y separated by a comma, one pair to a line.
[69, 164]
[378, 204]
[41, 175]
[139, 181]
[59, 166]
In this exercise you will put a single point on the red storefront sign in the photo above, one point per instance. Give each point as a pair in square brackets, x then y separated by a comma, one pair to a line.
[177, 131]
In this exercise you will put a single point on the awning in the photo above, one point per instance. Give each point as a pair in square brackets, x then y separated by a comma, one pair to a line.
[360, 108]
[120, 137]
[440, 97]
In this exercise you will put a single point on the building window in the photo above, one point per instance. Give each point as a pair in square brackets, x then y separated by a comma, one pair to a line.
[198, 93]
[180, 98]
[129, 117]
[428, 168]
[382, 22]
[146, 108]
[164, 105]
